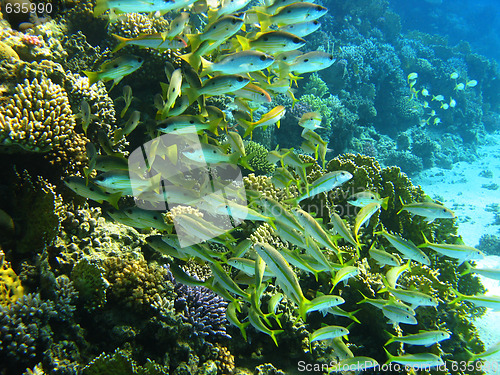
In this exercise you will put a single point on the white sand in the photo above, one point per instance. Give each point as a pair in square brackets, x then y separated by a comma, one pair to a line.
[461, 190]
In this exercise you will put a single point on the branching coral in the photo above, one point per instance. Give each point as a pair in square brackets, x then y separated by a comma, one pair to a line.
[10, 285]
[37, 118]
[258, 161]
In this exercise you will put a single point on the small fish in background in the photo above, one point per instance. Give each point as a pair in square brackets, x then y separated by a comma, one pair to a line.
[471, 83]
[133, 6]
[454, 75]
[177, 25]
[114, 70]
[127, 98]
[128, 128]
[453, 103]
[156, 41]
[459, 87]
[425, 92]
[86, 115]
[6, 223]
[439, 98]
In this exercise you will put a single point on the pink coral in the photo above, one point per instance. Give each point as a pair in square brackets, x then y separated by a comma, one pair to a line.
[32, 40]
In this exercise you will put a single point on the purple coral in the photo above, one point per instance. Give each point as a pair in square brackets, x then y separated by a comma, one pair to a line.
[203, 309]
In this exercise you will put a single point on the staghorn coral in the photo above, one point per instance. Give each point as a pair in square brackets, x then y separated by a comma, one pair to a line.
[263, 185]
[10, 285]
[37, 118]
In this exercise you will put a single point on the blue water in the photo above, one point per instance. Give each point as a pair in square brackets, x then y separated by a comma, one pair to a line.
[474, 21]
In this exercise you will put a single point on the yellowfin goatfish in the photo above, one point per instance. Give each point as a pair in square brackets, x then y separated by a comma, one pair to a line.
[405, 247]
[218, 85]
[413, 297]
[398, 316]
[327, 333]
[363, 198]
[238, 63]
[420, 360]
[302, 29]
[210, 154]
[155, 41]
[457, 251]
[341, 229]
[272, 42]
[383, 258]
[292, 14]
[220, 30]
[314, 230]
[115, 69]
[327, 182]
[363, 217]
[92, 191]
[430, 210]
[490, 273]
[280, 268]
[270, 118]
[185, 124]
[133, 6]
[480, 300]
[425, 338]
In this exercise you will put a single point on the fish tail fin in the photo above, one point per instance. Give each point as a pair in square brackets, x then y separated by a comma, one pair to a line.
[304, 307]
[365, 298]
[194, 41]
[113, 199]
[352, 316]
[385, 203]
[122, 42]
[93, 77]
[458, 298]
[244, 161]
[273, 334]
[426, 241]
[192, 59]
[243, 331]
[192, 95]
[391, 338]
[264, 20]
[249, 129]
[467, 270]
[100, 7]
[244, 42]
[402, 204]
[390, 357]
[206, 66]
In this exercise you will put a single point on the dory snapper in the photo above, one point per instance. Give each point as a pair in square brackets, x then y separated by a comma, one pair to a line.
[272, 42]
[311, 62]
[222, 29]
[302, 29]
[430, 210]
[238, 63]
[155, 41]
[218, 85]
[115, 69]
[292, 14]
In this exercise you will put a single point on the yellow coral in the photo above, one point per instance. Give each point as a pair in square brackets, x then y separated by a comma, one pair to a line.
[37, 117]
[10, 285]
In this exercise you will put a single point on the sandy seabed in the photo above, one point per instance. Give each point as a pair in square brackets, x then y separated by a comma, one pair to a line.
[468, 189]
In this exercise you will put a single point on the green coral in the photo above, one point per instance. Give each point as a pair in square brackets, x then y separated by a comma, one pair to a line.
[258, 159]
[88, 278]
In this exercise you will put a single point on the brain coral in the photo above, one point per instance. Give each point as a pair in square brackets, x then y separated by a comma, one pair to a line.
[37, 117]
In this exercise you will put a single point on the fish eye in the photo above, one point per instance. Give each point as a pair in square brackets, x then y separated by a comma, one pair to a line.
[265, 38]
[235, 21]
[139, 59]
[316, 22]
[284, 58]
[240, 79]
[262, 94]
[116, 66]
[129, 211]
[155, 217]
[319, 7]
[263, 58]
[289, 11]
[191, 121]
[444, 210]
[306, 60]
[296, 40]
[91, 188]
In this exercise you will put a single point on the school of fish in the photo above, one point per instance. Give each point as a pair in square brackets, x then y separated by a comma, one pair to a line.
[258, 59]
